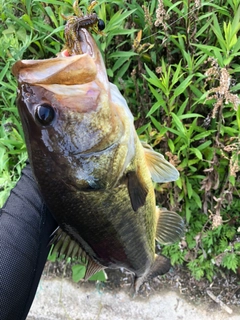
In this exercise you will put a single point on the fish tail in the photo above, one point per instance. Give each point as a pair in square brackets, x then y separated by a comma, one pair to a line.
[160, 266]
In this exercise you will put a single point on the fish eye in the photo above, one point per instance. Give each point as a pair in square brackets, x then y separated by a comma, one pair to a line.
[101, 24]
[45, 114]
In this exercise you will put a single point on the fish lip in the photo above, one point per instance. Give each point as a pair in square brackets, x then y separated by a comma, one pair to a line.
[79, 69]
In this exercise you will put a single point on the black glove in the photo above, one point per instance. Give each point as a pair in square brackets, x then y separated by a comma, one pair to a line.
[25, 229]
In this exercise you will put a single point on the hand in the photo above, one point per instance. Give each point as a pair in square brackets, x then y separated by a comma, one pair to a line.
[25, 228]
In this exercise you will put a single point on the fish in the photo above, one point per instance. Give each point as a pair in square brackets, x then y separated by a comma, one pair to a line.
[95, 175]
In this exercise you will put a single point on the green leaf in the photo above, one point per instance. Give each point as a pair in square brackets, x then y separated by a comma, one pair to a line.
[4, 71]
[78, 272]
[123, 70]
[52, 256]
[51, 15]
[174, 7]
[155, 107]
[204, 145]
[188, 212]
[197, 153]
[156, 123]
[119, 63]
[99, 276]
[229, 130]
[236, 47]
[157, 95]
[56, 2]
[171, 145]
[182, 108]
[189, 188]
[143, 128]
[178, 123]
[118, 32]
[26, 18]
[230, 261]
[207, 48]
[110, 72]
[217, 30]
[182, 87]
[190, 115]
[232, 180]
[179, 183]
[235, 24]
[197, 199]
[205, 26]
[122, 54]
[55, 31]
[236, 87]
[153, 79]
[178, 134]
[177, 75]
[203, 135]
[238, 117]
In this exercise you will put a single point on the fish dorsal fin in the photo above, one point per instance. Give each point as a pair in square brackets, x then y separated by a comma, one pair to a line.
[170, 226]
[64, 245]
[137, 190]
[161, 170]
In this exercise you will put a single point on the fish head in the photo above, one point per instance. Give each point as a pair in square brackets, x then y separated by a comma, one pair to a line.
[65, 108]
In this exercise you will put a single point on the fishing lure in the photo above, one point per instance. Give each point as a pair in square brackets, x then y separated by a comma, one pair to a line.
[79, 21]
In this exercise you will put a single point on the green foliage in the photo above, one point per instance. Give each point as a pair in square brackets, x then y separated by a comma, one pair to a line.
[206, 248]
[178, 67]
[78, 272]
[197, 103]
[99, 276]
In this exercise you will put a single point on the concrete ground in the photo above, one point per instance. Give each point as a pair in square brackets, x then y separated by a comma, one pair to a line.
[61, 299]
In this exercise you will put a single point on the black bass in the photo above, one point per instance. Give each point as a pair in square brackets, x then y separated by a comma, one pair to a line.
[93, 172]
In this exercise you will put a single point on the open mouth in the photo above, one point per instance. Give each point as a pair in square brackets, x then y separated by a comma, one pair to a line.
[64, 53]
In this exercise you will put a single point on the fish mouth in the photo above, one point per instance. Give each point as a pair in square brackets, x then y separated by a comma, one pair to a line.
[72, 70]
[65, 69]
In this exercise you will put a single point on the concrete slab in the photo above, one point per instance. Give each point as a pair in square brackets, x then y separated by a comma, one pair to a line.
[61, 299]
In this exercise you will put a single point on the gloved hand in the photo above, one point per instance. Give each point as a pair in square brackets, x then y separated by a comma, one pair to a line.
[25, 228]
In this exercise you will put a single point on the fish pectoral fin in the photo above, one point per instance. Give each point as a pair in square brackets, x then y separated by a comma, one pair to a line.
[137, 190]
[170, 226]
[64, 245]
[160, 266]
[161, 170]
